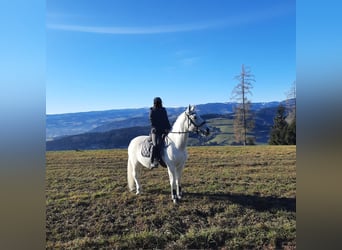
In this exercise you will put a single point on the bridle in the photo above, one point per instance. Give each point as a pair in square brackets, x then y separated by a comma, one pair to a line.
[190, 121]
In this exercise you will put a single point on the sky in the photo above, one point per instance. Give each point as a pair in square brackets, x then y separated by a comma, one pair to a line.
[103, 55]
[39, 62]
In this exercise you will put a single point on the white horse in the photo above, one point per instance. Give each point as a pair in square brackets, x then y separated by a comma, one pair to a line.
[174, 153]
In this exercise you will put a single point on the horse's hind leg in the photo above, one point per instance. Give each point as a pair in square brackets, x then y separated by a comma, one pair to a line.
[133, 174]
[130, 178]
[136, 175]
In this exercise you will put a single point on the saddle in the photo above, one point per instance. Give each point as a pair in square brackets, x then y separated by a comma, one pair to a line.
[146, 150]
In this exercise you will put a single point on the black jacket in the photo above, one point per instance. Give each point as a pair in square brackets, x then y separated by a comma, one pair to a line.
[159, 119]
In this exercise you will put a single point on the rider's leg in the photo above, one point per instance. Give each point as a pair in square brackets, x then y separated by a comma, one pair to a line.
[154, 156]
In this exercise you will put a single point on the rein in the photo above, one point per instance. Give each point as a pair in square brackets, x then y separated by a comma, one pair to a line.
[179, 132]
[190, 122]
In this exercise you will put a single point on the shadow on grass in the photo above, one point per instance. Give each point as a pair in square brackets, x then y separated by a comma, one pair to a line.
[259, 203]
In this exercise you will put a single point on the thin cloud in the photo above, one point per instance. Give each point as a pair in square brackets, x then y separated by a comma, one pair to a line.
[182, 52]
[130, 30]
[231, 22]
[189, 61]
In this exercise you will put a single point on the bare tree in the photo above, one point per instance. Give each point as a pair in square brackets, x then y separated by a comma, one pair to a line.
[243, 120]
[291, 103]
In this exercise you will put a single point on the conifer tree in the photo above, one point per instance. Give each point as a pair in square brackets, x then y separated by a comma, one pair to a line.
[278, 132]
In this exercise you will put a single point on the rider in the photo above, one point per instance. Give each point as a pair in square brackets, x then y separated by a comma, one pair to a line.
[159, 125]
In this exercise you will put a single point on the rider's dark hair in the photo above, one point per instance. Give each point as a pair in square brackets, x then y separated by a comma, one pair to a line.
[157, 102]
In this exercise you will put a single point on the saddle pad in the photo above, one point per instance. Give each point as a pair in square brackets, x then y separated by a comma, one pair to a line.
[146, 149]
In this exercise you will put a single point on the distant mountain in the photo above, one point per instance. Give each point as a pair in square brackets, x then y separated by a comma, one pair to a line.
[77, 123]
[102, 121]
[117, 138]
[228, 108]
[221, 126]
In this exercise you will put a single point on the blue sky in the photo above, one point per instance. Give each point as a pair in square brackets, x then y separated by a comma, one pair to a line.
[121, 54]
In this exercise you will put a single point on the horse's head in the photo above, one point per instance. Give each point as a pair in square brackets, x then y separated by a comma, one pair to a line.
[196, 122]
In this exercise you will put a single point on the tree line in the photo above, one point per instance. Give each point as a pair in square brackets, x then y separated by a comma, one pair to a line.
[283, 131]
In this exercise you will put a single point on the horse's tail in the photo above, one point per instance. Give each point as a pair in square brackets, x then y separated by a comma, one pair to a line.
[130, 178]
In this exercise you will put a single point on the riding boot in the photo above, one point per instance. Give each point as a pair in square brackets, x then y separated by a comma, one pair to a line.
[154, 157]
[158, 156]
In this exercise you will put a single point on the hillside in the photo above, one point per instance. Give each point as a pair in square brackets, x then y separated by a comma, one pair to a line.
[117, 138]
[221, 134]
[103, 121]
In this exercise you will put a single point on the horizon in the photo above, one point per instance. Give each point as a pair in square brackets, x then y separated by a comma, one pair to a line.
[115, 54]
[147, 107]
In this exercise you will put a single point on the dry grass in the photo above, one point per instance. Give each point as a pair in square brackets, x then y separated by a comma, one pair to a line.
[234, 198]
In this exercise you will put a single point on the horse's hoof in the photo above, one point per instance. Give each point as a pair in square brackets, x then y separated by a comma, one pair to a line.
[175, 201]
[137, 193]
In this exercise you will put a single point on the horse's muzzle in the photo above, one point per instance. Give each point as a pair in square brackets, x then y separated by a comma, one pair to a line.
[205, 132]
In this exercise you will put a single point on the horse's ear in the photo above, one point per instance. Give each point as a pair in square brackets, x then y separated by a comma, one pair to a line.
[190, 109]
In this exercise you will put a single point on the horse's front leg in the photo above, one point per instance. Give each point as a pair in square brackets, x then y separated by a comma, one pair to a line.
[172, 177]
[178, 182]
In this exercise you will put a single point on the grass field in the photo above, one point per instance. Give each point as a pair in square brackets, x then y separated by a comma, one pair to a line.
[234, 198]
